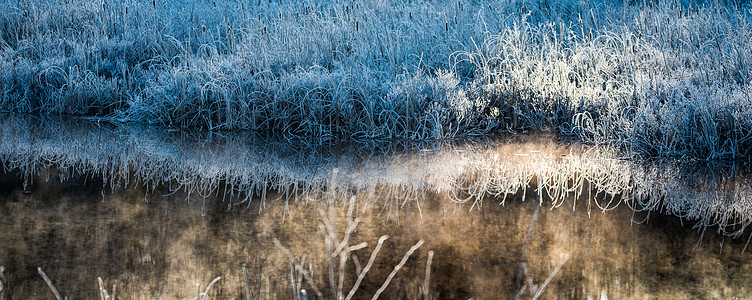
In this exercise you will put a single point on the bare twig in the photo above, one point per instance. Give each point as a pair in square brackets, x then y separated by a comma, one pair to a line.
[266, 283]
[294, 281]
[102, 291]
[368, 266]
[305, 274]
[426, 284]
[550, 277]
[49, 284]
[396, 269]
[206, 292]
[358, 268]
[247, 283]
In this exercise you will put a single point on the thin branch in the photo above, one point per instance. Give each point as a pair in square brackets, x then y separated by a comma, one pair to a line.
[206, 292]
[368, 266]
[396, 269]
[49, 284]
[550, 277]
[305, 274]
[103, 295]
[426, 284]
[247, 283]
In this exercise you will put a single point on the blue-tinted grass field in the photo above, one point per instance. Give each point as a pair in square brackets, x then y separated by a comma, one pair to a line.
[653, 78]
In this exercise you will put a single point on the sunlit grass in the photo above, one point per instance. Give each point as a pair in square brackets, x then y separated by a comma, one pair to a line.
[655, 78]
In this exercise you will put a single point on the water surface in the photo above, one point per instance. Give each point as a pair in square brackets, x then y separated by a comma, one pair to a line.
[155, 212]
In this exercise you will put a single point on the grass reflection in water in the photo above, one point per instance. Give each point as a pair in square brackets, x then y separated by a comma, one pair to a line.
[155, 212]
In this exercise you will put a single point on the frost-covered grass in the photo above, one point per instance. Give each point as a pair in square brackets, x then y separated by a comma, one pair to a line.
[665, 78]
[241, 169]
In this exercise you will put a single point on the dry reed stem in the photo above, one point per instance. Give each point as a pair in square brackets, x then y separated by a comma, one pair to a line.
[103, 295]
[293, 261]
[247, 283]
[426, 284]
[205, 294]
[49, 284]
[550, 277]
[294, 281]
[396, 269]
[367, 267]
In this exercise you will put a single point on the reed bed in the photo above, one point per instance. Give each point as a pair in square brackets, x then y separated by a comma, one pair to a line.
[660, 78]
[242, 169]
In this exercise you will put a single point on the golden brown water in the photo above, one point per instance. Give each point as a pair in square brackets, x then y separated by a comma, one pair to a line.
[157, 245]
[156, 212]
